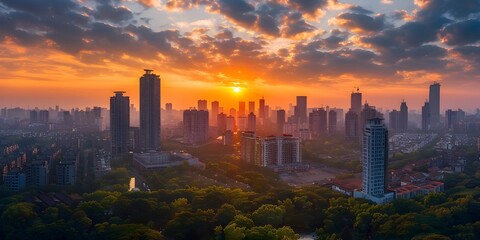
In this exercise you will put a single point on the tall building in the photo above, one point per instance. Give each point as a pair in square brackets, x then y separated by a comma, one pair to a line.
[202, 105]
[221, 123]
[119, 123]
[301, 110]
[241, 109]
[150, 110]
[375, 163]
[33, 116]
[251, 107]
[453, 119]
[43, 116]
[434, 100]
[394, 120]
[332, 121]
[281, 117]
[351, 125]
[168, 107]
[318, 122]
[214, 113]
[248, 146]
[403, 117]
[426, 117]
[251, 122]
[195, 126]
[356, 101]
[368, 112]
[261, 109]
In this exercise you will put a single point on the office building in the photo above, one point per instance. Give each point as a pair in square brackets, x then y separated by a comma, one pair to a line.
[221, 123]
[241, 109]
[119, 123]
[434, 100]
[214, 113]
[251, 107]
[318, 122]
[375, 163]
[66, 173]
[426, 117]
[33, 116]
[281, 117]
[150, 110]
[332, 121]
[394, 120]
[251, 122]
[301, 110]
[351, 125]
[453, 119]
[403, 117]
[261, 109]
[356, 102]
[43, 116]
[202, 105]
[195, 126]
[248, 145]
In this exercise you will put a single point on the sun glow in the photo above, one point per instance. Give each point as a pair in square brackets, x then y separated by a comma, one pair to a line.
[237, 89]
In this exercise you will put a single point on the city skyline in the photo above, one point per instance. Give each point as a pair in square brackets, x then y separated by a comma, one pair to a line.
[203, 50]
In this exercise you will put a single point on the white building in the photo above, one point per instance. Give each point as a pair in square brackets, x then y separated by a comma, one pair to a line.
[375, 163]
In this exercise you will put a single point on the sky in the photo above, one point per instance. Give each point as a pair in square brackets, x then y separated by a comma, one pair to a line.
[75, 53]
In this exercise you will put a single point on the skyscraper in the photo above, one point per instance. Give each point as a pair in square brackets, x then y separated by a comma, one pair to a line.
[241, 109]
[403, 117]
[195, 126]
[301, 110]
[375, 163]
[202, 105]
[261, 109]
[150, 110]
[351, 125]
[214, 113]
[33, 116]
[251, 123]
[356, 102]
[251, 107]
[332, 121]
[426, 116]
[318, 122]
[281, 117]
[119, 123]
[434, 100]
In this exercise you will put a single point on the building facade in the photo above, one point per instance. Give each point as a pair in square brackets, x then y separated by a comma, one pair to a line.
[150, 110]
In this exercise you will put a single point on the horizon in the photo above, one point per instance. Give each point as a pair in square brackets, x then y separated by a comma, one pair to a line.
[392, 50]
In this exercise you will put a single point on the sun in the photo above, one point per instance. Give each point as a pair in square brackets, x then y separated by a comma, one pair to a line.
[237, 89]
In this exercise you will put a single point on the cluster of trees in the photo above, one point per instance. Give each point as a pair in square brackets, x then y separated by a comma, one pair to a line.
[226, 213]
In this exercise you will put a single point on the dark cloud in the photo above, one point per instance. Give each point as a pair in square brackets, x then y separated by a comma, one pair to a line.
[310, 7]
[361, 22]
[111, 13]
[359, 10]
[461, 33]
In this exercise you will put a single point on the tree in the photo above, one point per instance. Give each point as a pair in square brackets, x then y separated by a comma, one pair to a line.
[268, 214]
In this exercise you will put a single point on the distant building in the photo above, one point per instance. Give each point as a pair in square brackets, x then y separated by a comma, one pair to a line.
[375, 163]
[271, 151]
[453, 119]
[332, 121]
[261, 109]
[241, 109]
[403, 117]
[318, 122]
[281, 117]
[227, 138]
[426, 117]
[195, 126]
[356, 102]
[119, 123]
[221, 123]
[202, 105]
[14, 180]
[301, 110]
[214, 113]
[33, 116]
[251, 107]
[66, 173]
[150, 110]
[434, 100]
[251, 122]
[43, 116]
[351, 125]
[37, 173]
[157, 160]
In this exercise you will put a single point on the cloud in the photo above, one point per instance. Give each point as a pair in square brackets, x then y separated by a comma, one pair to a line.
[461, 33]
[360, 22]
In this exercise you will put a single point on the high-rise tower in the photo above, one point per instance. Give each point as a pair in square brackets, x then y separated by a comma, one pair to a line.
[119, 123]
[150, 110]
[375, 163]
[434, 100]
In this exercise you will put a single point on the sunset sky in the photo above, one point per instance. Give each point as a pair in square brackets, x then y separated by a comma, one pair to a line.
[77, 52]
